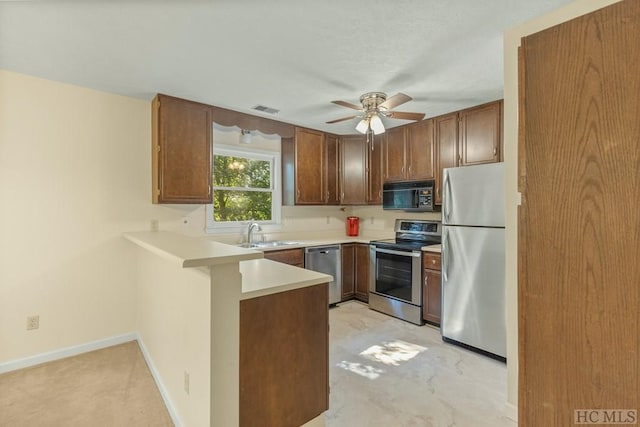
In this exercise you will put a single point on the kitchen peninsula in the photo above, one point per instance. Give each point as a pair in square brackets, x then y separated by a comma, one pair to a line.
[232, 339]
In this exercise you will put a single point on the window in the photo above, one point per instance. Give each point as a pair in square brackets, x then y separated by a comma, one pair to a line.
[246, 187]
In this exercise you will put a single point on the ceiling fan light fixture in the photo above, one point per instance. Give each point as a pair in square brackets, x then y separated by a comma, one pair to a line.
[376, 125]
[363, 126]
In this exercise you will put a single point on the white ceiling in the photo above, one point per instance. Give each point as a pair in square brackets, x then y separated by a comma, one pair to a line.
[293, 55]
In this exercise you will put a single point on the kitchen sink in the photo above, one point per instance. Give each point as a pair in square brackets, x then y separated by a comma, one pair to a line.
[271, 244]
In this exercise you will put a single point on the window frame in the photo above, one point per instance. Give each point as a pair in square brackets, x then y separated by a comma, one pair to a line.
[213, 227]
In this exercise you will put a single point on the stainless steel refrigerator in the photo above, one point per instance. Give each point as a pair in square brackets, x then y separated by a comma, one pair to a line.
[473, 239]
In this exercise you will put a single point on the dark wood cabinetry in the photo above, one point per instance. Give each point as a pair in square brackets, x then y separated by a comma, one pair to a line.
[446, 141]
[374, 171]
[431, 288]
[409, 153]
[333, 170]
[353, 173]
[348, 271]
[467, 137]
[181, 159]
[355, 271]
[362, 271]
[479, 133]
[287, 256]
[310, 167]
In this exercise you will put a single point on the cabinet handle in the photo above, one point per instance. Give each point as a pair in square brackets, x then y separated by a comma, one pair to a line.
[327, 196]
[495, 151]
[298, 193]
[403, 170]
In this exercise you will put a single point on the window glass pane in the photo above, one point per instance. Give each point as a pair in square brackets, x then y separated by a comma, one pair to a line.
[241, 205]
[231, 171]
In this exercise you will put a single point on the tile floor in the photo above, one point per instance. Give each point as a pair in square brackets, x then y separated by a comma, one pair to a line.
[387, 372]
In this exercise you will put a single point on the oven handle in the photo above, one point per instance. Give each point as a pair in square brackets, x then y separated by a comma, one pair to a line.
[401, 253]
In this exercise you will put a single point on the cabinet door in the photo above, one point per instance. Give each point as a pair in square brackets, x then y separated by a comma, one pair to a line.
[353, 182]
[287, 256]
[431, 297]
[181, 151]
[394, 161]
[333, 170]
[374, 171]
[362, 272]
[479, 134]
[420, 151]
[348, 271]
[310, 164]
[446, 139]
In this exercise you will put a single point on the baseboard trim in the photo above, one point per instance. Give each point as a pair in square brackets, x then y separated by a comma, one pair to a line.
[511, 411]
[156, 377]
[50, 356]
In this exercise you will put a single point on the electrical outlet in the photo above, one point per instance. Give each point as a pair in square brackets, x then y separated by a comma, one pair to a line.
[155, 225]
[186, 382]
[33, 322]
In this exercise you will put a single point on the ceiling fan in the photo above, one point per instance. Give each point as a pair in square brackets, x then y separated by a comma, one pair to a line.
[376, 105]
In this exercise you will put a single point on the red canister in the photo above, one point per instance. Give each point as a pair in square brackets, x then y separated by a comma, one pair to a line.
[353, 225]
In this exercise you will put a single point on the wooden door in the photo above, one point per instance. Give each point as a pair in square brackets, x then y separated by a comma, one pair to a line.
[479, 134]
[374, 171]
[431, 288]
[181, 151]
[579, 222]
[333, 170]
[393, 147]
[420, 151]
[446, 138]
[348, 271]
[353, 182]
[310, 167]
[362, 272]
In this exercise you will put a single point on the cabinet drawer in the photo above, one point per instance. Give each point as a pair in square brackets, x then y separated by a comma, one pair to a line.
[431, 260]
[287, 256]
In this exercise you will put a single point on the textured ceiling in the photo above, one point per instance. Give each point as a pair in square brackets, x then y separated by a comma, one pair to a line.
[292, 55]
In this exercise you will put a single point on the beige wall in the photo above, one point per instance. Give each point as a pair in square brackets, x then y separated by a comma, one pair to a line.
[511, 43]
[74, 174]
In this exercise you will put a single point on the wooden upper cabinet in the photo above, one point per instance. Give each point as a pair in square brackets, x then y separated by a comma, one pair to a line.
[333, 170]
[181, 159]
[479, 134]
[446, 141]
[310, 167]
[374, 171]
[420, 152]
[353, 177]
[393, 148]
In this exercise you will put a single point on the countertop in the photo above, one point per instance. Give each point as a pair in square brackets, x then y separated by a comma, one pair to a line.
[190, 251]
[263, 277]
[432, 248]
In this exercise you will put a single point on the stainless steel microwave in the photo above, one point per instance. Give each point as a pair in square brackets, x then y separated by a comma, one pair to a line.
[415, 196]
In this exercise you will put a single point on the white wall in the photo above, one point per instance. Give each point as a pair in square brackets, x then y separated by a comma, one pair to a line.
[511, 43]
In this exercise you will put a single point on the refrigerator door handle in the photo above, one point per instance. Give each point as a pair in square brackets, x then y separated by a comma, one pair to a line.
[445, 255]
[447, 190]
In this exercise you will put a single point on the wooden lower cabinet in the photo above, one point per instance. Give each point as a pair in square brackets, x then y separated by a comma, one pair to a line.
[293, 257]
[431, 288]
[348, 271]
[284, 357]
[355, 271]
[362, 271]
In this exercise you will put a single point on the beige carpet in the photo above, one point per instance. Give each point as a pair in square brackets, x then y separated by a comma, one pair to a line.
[109, 387]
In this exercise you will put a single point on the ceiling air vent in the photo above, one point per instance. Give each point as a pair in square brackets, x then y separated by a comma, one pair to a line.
[267, 110]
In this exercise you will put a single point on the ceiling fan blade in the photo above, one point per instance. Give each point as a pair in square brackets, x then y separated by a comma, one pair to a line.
[348, 105]
[404, 116]
[395, 100]
[342, 119]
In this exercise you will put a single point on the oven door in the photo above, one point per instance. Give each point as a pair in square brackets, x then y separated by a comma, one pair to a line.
[396, 274]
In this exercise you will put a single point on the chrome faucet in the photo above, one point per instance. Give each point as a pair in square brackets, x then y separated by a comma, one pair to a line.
[252, 226]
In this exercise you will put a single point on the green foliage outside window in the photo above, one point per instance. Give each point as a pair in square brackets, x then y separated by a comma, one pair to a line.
[242, 189]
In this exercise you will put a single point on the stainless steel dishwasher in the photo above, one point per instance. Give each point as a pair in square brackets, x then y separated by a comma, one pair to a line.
[326, 259]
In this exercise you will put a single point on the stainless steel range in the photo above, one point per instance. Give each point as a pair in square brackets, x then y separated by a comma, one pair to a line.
[395, 279]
